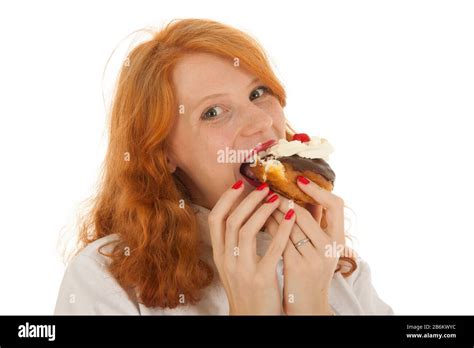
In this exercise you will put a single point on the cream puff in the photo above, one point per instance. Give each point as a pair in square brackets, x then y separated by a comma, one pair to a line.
[280, 165]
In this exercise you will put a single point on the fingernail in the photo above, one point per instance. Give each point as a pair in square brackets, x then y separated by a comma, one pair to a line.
[270, 192]
[303, 180]
[262, 186]
[289, 214]
[272, 199]
[237, 185]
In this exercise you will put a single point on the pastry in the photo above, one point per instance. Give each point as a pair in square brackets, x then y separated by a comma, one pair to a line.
[280, 164]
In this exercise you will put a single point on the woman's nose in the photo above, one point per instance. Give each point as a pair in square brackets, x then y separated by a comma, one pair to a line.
[255, 120]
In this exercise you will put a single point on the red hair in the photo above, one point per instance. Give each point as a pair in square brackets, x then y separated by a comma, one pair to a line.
[138, 198]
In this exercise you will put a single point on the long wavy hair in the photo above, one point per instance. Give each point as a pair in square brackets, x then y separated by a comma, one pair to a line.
[157, 252]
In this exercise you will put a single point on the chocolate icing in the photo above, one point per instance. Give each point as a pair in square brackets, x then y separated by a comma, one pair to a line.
[317, 165]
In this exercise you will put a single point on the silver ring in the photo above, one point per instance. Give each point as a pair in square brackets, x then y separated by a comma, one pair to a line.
[301, 242]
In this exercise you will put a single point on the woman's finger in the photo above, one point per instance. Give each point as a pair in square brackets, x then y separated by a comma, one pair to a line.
[332, 204]
[272, 227]
[306, 223]
[280, 240]
[254, 224]
[239, 216]
[307, 249]
[217, 216]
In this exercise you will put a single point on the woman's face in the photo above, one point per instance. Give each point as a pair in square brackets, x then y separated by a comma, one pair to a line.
[223, 110]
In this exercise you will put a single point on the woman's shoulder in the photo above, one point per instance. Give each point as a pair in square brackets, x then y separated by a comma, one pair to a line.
[89, 288]
[356, 293]
[96, 250]
[93, 257]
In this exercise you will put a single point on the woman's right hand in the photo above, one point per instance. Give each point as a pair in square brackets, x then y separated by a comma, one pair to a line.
[250, 282]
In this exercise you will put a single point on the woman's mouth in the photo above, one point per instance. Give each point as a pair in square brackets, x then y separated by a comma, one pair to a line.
[245, 167]
[261, 147]
[248, 175]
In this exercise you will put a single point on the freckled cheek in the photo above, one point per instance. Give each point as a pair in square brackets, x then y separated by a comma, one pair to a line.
[216, 176]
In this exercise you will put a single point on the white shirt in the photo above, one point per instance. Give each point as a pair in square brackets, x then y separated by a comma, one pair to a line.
[88, 288]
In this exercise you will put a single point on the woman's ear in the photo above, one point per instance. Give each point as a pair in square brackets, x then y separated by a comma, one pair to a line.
[171, 163]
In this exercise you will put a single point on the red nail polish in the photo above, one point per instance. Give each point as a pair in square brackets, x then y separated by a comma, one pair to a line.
[270, 192]
[262, 186]
[237, 185]
[289, 214]
[272, 199]
[303, 180]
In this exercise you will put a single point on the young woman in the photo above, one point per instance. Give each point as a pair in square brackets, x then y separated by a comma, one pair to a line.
[173, 230]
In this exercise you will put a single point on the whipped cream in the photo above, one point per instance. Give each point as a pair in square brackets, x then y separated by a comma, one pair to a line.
[315, 148]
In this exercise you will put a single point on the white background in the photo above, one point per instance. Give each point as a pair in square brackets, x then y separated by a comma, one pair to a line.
[389, 83]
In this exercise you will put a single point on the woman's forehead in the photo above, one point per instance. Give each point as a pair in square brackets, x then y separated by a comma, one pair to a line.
[200, 74]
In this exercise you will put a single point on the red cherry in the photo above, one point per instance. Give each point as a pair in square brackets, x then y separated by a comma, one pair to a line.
[303, 137]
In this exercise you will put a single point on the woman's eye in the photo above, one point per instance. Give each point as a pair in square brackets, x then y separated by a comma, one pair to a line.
[258, 92]
[212, 112]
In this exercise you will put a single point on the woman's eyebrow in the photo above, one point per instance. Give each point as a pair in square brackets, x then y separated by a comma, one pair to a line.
[210, 96]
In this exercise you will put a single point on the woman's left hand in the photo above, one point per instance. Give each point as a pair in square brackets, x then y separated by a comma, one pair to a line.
[309, 268]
